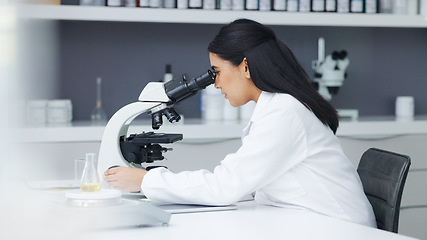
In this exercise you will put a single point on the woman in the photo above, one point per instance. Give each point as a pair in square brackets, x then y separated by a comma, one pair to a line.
[290, 156]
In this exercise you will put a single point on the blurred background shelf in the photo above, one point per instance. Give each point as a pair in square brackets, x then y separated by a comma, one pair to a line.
[366, 128]
[200, 16]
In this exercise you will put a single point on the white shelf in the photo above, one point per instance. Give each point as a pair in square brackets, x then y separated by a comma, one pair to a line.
[86, 132]
[199, 16]
[198, 131]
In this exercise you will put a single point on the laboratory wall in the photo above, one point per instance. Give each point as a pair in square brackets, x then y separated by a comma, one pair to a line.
[384, 62]
[38, 66]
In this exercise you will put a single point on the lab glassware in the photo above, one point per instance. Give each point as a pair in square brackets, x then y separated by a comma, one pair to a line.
[98, 114]
[79, 165]
[168, 74]
[90, 180]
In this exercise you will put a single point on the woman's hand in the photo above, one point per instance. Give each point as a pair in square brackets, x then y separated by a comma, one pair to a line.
[125, 178]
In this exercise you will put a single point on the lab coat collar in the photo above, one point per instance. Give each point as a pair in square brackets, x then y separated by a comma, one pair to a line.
[262, 103]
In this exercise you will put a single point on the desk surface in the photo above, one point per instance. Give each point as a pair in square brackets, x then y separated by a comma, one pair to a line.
[40, 218]
[250, 221]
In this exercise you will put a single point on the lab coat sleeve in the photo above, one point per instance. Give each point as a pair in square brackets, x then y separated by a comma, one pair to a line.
[276, 142]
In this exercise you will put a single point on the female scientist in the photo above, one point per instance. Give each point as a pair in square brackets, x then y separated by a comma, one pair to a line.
[289, 157]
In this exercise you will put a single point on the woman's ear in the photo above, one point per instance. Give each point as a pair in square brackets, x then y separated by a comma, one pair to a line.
[246, 68]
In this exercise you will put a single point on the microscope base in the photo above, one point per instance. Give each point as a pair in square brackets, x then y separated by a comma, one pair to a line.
[126, 214]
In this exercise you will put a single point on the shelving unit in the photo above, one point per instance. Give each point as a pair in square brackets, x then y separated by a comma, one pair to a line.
[197, 16]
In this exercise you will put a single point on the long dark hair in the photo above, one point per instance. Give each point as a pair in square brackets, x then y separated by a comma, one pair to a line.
[272, 65]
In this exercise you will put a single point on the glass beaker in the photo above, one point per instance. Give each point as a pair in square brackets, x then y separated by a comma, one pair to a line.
[90, 180]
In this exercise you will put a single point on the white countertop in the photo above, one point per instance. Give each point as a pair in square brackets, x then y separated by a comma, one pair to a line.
[196, 129]
[250, 221]
[45, 215]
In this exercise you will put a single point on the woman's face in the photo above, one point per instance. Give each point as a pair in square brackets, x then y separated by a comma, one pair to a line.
[234, 81]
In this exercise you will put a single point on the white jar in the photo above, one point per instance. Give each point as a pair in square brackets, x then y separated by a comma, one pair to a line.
[386, 6]
[212, 104]
[231, 114]
[412, 7]
[59, 111]
[238, 5]
[36, 111]
[399, 7]
[225, 5]
[304, 6]
[182, 4]
[405, 108]
[292, 6]
[130, 3]
[114, 3]
[209, 4]
[371, 6]
[264, 5]
[423, 7]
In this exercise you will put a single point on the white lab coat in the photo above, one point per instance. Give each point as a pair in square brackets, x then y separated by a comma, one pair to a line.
[288, 158]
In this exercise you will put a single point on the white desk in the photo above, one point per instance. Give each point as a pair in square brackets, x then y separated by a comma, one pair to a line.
[28, 214]
[249, 222]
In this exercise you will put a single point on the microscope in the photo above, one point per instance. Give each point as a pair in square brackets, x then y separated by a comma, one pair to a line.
[106, 208]
[157, 99]
[329, 75]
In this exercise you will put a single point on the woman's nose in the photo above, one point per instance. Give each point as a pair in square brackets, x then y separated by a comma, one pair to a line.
[216, 84]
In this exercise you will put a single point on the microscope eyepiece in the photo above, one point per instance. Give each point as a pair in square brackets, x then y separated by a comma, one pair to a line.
[181, 88]
[177, 90]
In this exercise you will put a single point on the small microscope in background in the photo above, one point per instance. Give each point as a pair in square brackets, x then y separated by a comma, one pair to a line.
[329, 75]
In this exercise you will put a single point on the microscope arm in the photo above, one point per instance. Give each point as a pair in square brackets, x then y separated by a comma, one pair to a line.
[110, 153]
[153, 95]
[156, 99]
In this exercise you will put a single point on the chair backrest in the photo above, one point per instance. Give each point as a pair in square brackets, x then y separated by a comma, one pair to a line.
[383, 175]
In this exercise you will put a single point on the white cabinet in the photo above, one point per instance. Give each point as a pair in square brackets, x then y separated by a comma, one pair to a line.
[414, 200]
[413, 222]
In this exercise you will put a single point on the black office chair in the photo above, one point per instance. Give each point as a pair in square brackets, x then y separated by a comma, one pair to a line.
[383, 176]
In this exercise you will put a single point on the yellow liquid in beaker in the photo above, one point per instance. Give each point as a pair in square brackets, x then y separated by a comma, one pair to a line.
[90, 187]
